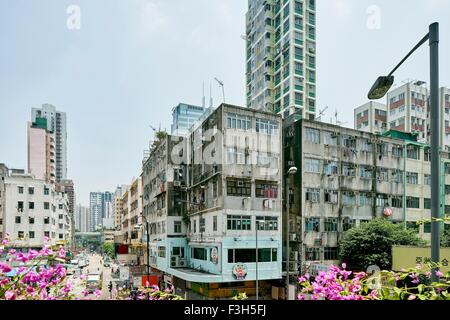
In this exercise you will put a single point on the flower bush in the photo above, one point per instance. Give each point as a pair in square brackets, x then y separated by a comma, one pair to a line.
[148, 293]
[341, 284]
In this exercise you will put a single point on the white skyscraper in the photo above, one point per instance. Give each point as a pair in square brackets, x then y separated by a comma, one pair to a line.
[57, 128]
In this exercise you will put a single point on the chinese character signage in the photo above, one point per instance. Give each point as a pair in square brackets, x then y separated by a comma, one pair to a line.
[240, 271]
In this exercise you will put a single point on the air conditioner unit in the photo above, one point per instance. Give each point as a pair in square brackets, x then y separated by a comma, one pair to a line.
[293, 266]
[293, 237]
[181, 263]
[173, 264]
[177, 183]
[240, 183]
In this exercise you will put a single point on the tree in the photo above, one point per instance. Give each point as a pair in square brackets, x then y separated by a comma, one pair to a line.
[108, 249]
[371, 244]
[445, 239]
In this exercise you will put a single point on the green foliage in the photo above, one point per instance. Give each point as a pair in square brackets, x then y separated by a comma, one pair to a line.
[445, 239]
[108, 249]
[371, 244]
[240, 296]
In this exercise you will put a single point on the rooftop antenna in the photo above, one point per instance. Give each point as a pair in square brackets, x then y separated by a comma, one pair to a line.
[321, 113]
[203, 99]
[223, 88]
[210, 96]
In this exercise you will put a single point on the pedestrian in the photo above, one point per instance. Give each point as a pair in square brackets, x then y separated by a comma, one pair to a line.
[110, 287]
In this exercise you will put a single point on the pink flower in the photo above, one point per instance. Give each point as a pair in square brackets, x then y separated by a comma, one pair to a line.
[83, 276]
[62, 252]
[46, 239]
[10, 295]
[439, 274]
[412, 297]
[32, 254]
[97, 293]
[4, 268]
[344, 266]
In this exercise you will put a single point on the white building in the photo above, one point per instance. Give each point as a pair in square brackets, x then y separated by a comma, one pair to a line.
[57, 128]
[407, 108]
[444, 100]
[3, 174]
[34, 210]
[371, 117]
[81, 218]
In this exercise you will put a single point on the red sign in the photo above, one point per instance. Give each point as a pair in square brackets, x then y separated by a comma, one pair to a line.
[152, 281]
[388, 212]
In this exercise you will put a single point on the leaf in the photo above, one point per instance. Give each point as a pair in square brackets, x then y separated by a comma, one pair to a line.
[422, 297]
[420, 288]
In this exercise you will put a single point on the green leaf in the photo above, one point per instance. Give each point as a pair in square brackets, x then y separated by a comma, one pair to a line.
[420, 288]
[422, 297]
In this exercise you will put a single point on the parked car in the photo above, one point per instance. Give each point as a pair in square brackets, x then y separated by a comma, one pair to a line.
[94, 282]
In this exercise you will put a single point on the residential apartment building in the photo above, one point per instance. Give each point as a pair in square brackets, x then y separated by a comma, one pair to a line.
[281, 56]
[184, 116]
[4, 172]
[371, 117]
[346, 177]
[444, 101]
[117, 208]
[408, 109]
[56, 127]
[82, 217]
[204, 197]
[131, 230]
[101, 205]
[34, 210]
[41, 151]
[67, 187]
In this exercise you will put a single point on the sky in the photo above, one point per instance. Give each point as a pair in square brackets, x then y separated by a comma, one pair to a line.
[130, 62]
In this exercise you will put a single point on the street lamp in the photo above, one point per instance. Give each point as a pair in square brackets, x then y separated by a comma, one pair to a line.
[379, 90]
[292, 171]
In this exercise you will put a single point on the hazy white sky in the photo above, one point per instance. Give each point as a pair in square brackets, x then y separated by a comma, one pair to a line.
[132, 61]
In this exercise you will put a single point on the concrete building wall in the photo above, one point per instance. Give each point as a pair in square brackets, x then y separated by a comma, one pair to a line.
[37, 152]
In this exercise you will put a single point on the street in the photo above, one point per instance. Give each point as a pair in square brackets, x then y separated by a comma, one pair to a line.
[95, 265]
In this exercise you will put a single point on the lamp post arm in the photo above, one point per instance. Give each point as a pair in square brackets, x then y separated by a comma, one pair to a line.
[424, 39]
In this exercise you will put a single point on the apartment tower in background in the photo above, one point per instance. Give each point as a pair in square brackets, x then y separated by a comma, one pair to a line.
[184, 116]
[281, 56]
[55, 125]
[41, 151]
[371, 117]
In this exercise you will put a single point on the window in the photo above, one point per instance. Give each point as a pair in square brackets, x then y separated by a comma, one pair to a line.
[348, 223]
[349, 142]
[313, 195]
[235, 121]
[412, 178]
[330, 138]
[413, 202]
[31, 234]
[195, 226]
[312, 165]
[365, 199]
[447, 189]
[366, 145]
[46, 220]
[382, 174]
[46, 191]
[349, 170]
[61, 236]
[330, 253]
[60, 216]
[427, 179]
[199, 254]
[214, 223]
[239, 222]
[427, 227]
[413, 152]
[397, 202]
[30, 190]
[46, 205]
[267, 127]
[382, 200]
[366, 172]
[331, 168]
[201, 225]
[266, 189]
[427, 154]
[312, 254]
[47, 234]
[162, 252]
[312, 224]
[18, 219]
[20, 190]
[31, 205]
[397, 176]
[331, 224]
[31, 220]
[412, 225]
[267, 223]
[427, 203]
[331, 196]
[239, 188]
[177, 227]
[20, 235]
[60, 206]
[312, 135]
[249, 255]
[348, 198]
[20, 206]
